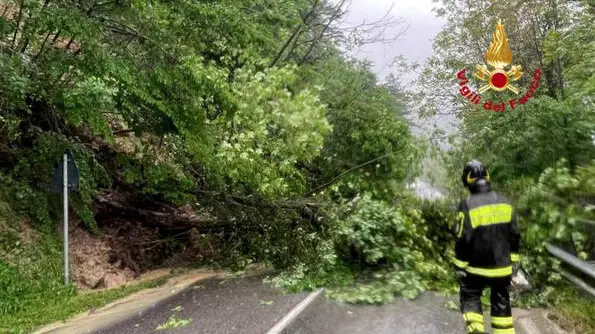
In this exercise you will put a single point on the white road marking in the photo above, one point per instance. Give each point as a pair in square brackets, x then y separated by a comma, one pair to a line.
[290, 317]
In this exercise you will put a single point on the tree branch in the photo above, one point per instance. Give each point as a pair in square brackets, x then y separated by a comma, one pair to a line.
[123, 132]
[336, 178]
[293, 35]
[128, 30]
[16, 29]
[56, 36]
[333, 17]
[47, 36]
[164, 218]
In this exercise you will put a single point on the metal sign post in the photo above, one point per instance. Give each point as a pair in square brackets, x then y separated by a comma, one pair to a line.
[65, 204]
[66, 178]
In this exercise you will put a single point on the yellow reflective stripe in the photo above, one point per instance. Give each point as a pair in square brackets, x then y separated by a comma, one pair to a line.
[471, 180]
[475, 327]
[502, 321]
[503, 331]
[490, 214]
[514, 257]
[497, 272]
[459, 263]
[473, 317]
[461, 223]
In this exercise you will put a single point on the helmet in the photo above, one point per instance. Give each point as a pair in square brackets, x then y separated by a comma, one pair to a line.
[475, 175]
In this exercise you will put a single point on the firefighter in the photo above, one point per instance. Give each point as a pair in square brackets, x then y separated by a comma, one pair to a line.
[486, 251]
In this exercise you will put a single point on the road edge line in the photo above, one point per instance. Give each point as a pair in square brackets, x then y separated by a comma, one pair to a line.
[294, 313]
[128, 307]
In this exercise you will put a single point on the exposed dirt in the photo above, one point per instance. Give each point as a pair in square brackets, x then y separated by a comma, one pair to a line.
[126, 248]
[144, 277]
[90, 259]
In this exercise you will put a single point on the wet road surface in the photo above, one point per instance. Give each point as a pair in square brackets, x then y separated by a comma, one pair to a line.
[242, 305]
[247, 306]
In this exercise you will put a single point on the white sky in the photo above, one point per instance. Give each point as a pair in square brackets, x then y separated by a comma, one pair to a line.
[415, 45]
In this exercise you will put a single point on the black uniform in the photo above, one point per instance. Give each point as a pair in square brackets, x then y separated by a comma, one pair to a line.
[487, 246]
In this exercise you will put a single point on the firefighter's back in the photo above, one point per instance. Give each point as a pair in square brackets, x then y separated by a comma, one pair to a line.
[490, 215]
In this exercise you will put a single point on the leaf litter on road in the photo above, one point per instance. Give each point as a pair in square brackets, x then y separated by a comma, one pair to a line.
[177, 308]
[174, 322]
[451, 305]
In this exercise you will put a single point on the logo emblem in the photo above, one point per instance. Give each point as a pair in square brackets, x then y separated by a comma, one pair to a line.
[499, 57]
[498, 75]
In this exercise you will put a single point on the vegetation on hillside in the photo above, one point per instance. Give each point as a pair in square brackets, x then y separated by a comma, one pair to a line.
[233, 132]
[214, 131]
[542, 154]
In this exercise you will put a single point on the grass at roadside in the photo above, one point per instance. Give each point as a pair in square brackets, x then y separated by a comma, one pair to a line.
[571, 308]
[575, 311]
[63, 308]
[32, 292]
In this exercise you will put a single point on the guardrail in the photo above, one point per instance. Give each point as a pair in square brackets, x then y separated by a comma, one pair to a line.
[581, 265]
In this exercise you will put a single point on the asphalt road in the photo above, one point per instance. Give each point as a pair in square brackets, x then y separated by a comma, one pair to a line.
[215, 306]
[247, 306]
[425, 315]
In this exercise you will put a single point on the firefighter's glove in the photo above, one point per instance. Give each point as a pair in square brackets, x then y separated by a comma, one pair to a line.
[515, 268]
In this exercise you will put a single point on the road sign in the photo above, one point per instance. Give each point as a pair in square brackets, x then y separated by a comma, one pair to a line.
[72, 175]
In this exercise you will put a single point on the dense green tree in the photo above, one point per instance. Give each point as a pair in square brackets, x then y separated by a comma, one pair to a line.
[370, 148]
[557, 122]
[540, 153]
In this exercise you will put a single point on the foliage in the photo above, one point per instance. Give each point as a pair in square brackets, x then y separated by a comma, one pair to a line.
[271, 130]
[472, 25]
[370, 148]
[574, 310]
[377, 251]
[26, 268]
[36, 170]
[255, 98]
[61, 307]
[557, 123]
[173, 322]
[163, 101]
[550, 209]
[165, 180]
[31, 277]
[134, 67]
[224, 115]
[540, 154]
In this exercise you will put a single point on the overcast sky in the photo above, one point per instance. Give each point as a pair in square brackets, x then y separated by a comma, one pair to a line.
[415, 45]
